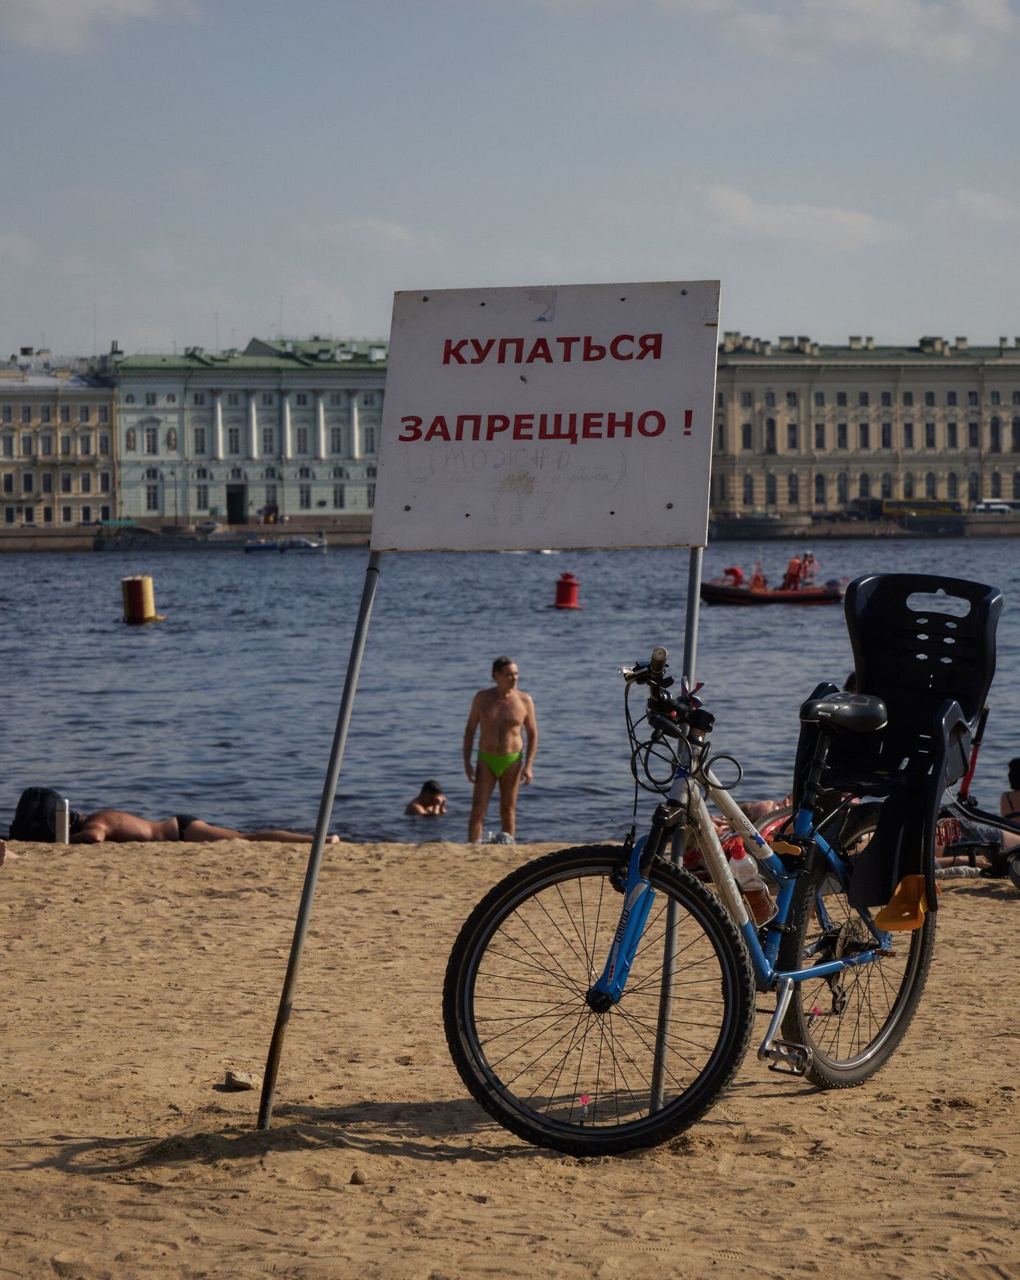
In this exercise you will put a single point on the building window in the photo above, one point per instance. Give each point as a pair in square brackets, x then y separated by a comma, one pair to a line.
[368, 399]
[370, 496]
[996, 490]
[842, 488]
[886, 485]
[29, 515]
[908, 399]
[104, 443]
[952, 487]
[5, 414]
[268, 440]
[199, 433]
[26, 415]
[770, 435]
[65, 515]
[335, 399]
[792, 490]
[995, 436]
[46, 445]
[270, 495]
[339, 473]
[65, 482]
[370, 439]
[85, 444]
[886, 399]
[1015, 441]
[908, 485]
[305, 497]
[862, 399]
[1016, 397]
[305, 473]
[972, 398]
[129, 399]
[86, 482]
[929, 435]
[770, 491]
[269, 474]
[748, 491]
[841, 398]
[745, 435]
[819, 399]
[46, 414]
[929, 398]
[301, 399]
[908, 436]
[28, 481]
[152, 497]
[65, 446]
[336, 440]
[338, 497]
[86, 515]
[951, 398]
[233, 399]
[863, 435]
[952, 436]
[8, 482]
[791, 436]
[886, 435]
[198, 398]
[130, 441]
[233, 441]
[841, 436]
[47, 482]
[104, 482]
[65, 413]
[770, 399]
[202, 497]
[791, 399]
[302, 439]
[8, 446]
[83, 413]
[973, 487]
[268, 399]
[26, 445]
[819, 489]
[819, 435]
[152, 440]
[973, 435]
[171, 398]
[150, 397]
[864, 485]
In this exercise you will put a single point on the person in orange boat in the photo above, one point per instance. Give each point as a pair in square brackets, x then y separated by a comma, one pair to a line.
[791, 579]
[734, 576]
[758, 582]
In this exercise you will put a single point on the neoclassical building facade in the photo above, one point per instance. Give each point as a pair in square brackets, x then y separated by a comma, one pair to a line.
[57, 461]
[802, 427]
[282, 429]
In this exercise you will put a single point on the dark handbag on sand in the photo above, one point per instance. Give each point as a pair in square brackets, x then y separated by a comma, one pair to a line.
[36, 815]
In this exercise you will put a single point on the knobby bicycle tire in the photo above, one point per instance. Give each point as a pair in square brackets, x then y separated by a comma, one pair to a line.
[853, 1021]
[540, 1061]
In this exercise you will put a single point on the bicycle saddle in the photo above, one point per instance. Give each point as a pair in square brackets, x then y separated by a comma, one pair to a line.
[858, 712]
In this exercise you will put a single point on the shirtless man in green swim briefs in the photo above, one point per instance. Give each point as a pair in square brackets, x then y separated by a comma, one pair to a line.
[503, 717]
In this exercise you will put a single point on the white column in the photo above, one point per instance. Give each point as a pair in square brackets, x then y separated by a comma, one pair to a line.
[286, 444]
[253, 427]
[355, 427]
[320, 427]
[217, 425]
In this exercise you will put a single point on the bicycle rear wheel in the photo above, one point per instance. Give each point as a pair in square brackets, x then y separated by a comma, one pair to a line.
[541, 1061]
[853, 1020]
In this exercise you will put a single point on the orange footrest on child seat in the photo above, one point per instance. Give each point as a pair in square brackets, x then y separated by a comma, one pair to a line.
[906, 909]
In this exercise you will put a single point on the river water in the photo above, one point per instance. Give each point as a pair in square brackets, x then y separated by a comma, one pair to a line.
[227, 708]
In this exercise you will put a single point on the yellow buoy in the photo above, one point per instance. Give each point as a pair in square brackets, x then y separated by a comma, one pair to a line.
[139, 599]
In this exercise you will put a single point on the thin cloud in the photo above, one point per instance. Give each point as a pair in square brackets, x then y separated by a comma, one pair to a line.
[940, 30]
[826, 225]
[71, 26]
[17, 249]
[987, 206]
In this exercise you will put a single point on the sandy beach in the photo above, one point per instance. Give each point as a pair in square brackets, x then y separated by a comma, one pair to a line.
[134, 976]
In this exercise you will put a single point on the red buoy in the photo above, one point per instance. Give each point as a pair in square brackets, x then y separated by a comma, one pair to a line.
[566, 592]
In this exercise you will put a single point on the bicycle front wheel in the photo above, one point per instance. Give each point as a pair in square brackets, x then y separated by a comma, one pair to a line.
[554, 1071]
[853, 1020]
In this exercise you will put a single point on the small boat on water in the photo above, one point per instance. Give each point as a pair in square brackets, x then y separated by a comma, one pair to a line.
[295, 545]
[719, 592]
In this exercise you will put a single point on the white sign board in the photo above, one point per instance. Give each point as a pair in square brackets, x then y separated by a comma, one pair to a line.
[574, 416]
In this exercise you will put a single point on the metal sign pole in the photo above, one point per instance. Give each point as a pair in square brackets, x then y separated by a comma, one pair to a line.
[670, 940]
[318, 843]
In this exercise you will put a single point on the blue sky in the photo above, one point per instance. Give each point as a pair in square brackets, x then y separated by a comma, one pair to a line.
[198, 171]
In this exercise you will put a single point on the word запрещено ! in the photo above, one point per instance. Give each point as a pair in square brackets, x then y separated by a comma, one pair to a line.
[555, 426]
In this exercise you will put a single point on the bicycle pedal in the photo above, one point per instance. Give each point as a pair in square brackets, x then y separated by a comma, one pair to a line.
[788, 1058]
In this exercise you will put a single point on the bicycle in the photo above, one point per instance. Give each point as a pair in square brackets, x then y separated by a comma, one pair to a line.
[597, 1026]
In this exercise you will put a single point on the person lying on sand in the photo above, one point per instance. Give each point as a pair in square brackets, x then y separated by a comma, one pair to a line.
[114, 824]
